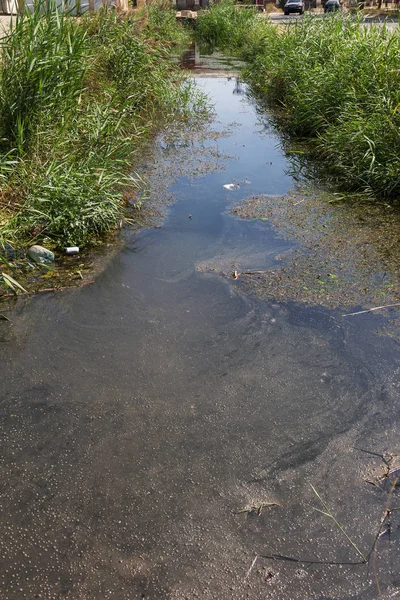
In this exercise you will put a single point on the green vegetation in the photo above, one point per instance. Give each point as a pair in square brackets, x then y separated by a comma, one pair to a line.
[78, 99]
[224, 25]
[334, 81]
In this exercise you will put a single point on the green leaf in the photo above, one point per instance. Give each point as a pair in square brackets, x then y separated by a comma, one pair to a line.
[11, 283]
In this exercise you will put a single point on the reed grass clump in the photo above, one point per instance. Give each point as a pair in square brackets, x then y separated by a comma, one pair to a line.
[78, 98]
[335, 82]
[224, 26]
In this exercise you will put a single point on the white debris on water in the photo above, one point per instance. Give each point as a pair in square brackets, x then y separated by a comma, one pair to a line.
[232, 186]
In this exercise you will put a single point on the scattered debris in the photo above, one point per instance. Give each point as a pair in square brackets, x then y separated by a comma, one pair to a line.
[41, 255]
[232, 186]
[325, 266]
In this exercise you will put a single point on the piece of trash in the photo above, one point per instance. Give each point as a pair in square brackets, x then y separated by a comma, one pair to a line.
[190, 216]
[246, 181]
[71, 250]
[232, 186]
[41, 255]
[235, 274]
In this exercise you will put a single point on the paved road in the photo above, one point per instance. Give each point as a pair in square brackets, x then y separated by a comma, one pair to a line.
[5, 21]
[280, 18]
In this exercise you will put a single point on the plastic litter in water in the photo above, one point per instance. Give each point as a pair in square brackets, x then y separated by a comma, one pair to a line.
[40, 255]
[232, 186]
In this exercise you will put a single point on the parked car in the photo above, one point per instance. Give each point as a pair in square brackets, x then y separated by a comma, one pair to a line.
[293, 6]
[332, 6]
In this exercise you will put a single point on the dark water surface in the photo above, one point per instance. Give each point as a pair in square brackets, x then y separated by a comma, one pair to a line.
[139, 414]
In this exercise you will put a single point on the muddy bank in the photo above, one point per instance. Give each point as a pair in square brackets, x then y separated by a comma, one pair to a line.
[158, 168]
[344, 255]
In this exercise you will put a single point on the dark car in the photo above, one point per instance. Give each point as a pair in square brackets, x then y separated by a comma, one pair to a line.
[332, 6]
[294, 6]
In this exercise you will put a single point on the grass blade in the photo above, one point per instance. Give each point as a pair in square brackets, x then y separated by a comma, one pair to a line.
[13, 284]
[330, 515]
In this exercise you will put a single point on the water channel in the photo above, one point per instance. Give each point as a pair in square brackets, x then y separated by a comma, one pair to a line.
[162, 428]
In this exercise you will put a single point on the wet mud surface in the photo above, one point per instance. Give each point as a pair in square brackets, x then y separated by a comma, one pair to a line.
[345, 255]
[161, 429]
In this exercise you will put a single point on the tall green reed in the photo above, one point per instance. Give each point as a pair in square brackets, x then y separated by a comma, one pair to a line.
[77, 100]
[335, 82]
[43, 66]
[224, 25]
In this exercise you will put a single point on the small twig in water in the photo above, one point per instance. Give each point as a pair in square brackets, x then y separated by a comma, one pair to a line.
[374, 484]
[253, 272]
[386, 458]
[255, 508]
[294, 560]
[251, 568]
[393, 471]
[329, 514]
[362, 312]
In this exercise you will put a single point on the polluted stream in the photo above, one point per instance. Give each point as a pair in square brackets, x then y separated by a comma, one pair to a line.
[173, 431]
